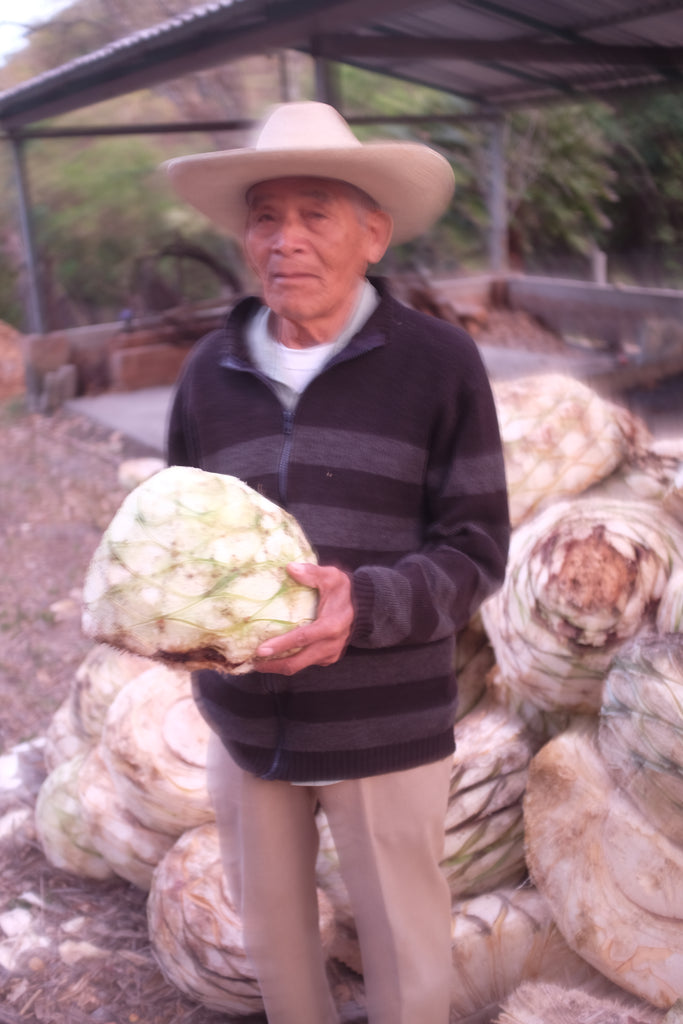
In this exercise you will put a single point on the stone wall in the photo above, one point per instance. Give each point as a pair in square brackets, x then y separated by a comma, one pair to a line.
[108, 357]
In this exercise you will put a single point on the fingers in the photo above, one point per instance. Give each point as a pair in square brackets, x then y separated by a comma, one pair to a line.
[310, 574]
[323, 641]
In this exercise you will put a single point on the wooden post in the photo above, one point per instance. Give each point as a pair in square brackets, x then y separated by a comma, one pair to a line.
[325, 85]
[598, 266]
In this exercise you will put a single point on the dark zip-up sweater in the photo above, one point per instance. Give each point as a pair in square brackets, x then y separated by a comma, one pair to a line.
[392, 464]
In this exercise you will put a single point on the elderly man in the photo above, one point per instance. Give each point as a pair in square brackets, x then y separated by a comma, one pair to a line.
[375, 426]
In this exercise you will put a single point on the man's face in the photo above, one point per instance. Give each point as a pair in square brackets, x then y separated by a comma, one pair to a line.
[310, 242]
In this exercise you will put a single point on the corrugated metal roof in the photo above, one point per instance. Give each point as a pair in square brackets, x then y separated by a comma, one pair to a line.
[496, 53]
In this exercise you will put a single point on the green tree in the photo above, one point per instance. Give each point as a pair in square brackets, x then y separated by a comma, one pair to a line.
[459, 239]
[561, 184]
[103, 217]
[647, 233]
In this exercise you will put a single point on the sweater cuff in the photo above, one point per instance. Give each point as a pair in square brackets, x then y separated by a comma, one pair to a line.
[363, 596]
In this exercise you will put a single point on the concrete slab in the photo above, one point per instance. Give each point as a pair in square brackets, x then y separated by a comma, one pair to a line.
[141, 415]
[508, 363]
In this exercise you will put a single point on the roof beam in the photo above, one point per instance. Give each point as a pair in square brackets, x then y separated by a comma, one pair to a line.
[236, 124]
[340, 47]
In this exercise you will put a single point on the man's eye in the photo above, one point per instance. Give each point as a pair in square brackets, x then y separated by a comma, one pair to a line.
[260, 216]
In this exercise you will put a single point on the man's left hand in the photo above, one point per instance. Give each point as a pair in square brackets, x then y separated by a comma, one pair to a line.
[321, 642]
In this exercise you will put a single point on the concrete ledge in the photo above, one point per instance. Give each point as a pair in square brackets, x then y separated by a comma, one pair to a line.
[141, 415]
[615, 315]
[111, 356]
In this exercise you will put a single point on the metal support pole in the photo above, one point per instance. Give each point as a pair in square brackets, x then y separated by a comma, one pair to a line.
[497, 199]
[283, 76]
[325, 87]
[34, 305]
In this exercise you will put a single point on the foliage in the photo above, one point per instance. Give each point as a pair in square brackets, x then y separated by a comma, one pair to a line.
[102, 217]
[10, 246]
[108, 232]
[648, 173]
[97, 206]
[560, 181]
[459, 238]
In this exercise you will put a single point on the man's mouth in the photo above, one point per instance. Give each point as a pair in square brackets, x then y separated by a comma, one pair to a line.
[291, 275]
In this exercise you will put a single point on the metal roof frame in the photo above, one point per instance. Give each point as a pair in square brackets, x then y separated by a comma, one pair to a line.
[495, 53]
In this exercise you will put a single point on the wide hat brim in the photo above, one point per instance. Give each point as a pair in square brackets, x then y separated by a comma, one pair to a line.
[411, 181]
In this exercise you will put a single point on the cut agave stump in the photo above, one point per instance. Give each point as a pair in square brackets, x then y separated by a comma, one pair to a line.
[559, 438]
[101, 675]
[583, 578]
[484, 835]
[543, 1003]
[196, 933]
[613, 882]
[501, 939]
[65, 837]
[129, 848]
[192, 571]
[641, 728]
[154, 745]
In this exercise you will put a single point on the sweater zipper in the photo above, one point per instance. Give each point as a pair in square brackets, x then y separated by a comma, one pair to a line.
[283, 467]
[282, 473]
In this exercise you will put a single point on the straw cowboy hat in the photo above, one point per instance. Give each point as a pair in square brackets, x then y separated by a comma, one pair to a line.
[412, 182]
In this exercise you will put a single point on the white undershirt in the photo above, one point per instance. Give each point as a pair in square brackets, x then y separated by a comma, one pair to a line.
[292, 369]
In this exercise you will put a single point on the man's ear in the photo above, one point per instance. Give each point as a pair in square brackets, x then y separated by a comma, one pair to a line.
[380, 227]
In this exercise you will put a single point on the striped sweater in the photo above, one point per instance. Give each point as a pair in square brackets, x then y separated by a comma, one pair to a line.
[392, 464]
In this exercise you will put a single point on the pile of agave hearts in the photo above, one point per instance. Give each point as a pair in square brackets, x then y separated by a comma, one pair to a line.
[564, 833]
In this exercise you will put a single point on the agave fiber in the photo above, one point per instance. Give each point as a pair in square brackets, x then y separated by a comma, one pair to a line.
[154, 744]
[670, 610]
[641, 728]
[192, 570]
[550, 1003]
[501, 939]
[559, 437]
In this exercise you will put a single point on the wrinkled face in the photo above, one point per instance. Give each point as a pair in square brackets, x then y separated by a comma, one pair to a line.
[310, 241]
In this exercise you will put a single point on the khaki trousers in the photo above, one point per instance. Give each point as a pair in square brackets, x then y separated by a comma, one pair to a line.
[389, 835]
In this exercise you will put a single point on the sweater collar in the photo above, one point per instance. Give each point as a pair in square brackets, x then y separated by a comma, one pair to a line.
[373, 334]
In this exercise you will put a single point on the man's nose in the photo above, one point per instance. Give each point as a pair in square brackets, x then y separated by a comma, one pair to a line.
[287, 237]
